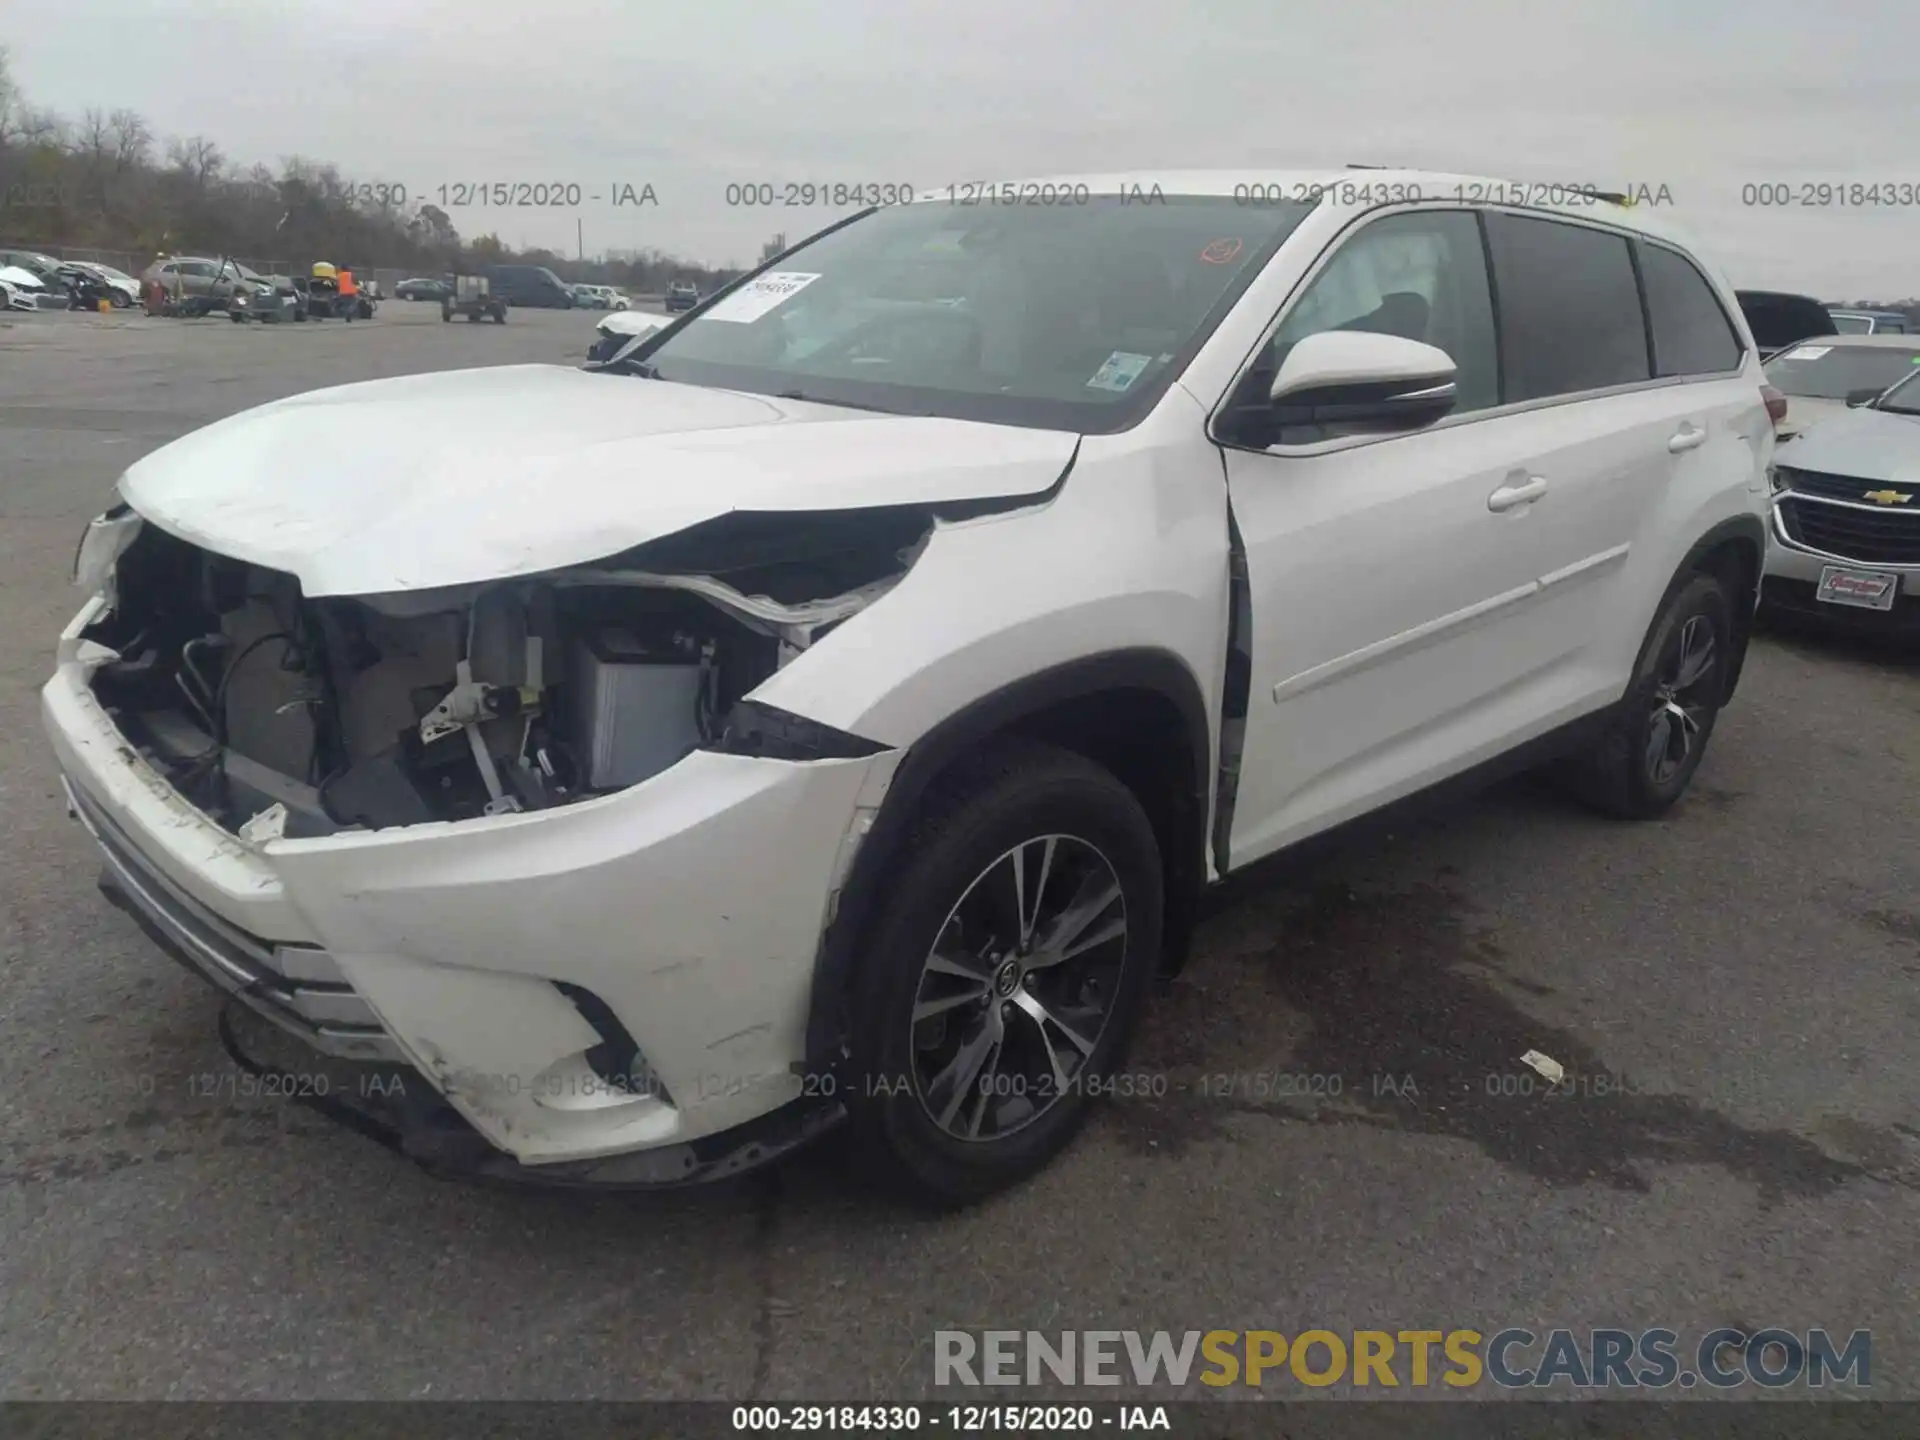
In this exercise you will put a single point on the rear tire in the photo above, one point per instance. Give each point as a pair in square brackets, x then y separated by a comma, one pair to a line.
[986, 1013]
[1645, 759]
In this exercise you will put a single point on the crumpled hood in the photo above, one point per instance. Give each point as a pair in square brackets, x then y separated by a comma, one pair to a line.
[468, 475]
[1872, 444]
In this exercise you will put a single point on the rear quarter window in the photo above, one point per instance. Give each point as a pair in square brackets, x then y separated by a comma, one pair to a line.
[1569, 307]
[1691, 332]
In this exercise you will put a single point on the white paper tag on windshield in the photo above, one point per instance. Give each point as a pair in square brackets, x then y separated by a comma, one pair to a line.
[757, 297]
[1810, 352]
[1121, 369]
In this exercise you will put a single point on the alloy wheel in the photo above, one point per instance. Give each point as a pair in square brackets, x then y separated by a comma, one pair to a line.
[1686, 678]
[1018, 988]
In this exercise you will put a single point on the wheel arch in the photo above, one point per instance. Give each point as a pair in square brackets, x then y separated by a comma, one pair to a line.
[1120, 709]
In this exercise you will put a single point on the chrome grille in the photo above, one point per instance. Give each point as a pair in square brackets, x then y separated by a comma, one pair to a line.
[1864, 532]
[298, 987]
[1846, 487]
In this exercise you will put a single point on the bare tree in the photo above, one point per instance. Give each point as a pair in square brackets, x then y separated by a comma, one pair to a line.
[111, 192]
[197, 158]
[35, 125]
[93, 136]
[130, 139]
[9, 97]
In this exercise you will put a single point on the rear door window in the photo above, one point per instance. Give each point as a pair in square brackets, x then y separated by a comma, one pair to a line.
[1691, 332]
[1570, 317]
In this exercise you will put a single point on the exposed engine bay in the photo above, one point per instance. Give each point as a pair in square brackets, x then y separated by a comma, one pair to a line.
[278, 715]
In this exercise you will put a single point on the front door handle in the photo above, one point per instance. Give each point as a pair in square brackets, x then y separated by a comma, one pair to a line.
[1688, 437]
[1508, 496]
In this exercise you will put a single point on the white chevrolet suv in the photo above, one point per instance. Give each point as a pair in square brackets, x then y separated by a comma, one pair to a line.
[833, 705]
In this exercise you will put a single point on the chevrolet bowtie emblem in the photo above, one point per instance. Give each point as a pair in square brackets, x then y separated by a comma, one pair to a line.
[1887, 497]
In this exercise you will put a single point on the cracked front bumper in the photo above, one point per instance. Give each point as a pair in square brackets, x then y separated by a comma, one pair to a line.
[691, 905]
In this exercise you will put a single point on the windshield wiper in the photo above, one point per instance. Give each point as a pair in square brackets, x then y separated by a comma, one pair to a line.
[645, 369]
[843, 404]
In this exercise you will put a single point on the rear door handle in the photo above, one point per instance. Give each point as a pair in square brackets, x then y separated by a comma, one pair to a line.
[1508, 496]
[1688, 437]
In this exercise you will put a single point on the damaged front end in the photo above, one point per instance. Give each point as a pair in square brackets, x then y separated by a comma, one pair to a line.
[278, 715]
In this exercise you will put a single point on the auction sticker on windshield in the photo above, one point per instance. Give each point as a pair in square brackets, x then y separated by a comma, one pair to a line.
[1809, 352]
[757, 297]
[1120, 371]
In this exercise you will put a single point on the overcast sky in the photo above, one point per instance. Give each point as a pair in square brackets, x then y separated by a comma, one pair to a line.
[1706, 98]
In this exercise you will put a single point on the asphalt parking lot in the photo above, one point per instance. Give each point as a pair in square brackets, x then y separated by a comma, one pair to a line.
[1748, 971]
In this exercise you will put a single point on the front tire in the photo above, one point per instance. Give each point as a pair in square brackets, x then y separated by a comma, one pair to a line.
[1644, 761]
[997, 988]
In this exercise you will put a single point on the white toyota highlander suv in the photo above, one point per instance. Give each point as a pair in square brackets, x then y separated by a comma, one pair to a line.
[834, 705]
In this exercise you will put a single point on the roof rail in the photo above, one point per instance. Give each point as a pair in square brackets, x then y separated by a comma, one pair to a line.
[1369, 167]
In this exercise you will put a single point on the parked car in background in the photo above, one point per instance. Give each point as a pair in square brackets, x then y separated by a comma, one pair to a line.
[44, 266]
[682, 295]
[197, 285]
[22, 289]
[1779, 319]
[588, 297]
[122, 290]
[1822, 378]
[1869, 322]
[1845, 541]
[794, 758]
[420, 288]
[601, 297]
[36, 283]
[530, 285]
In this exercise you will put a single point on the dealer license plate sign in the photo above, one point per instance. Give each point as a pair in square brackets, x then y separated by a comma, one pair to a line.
[1863, 589]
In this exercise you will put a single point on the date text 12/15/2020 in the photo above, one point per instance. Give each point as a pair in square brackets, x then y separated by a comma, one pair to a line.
[510, 194]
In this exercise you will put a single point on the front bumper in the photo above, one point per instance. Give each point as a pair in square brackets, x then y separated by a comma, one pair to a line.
[1793, 574]
[691, 906]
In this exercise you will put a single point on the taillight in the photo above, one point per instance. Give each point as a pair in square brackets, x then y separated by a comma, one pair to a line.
[1776, 403]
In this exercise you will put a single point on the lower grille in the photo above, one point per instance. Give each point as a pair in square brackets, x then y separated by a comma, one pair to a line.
[298, 987]
[1851, 532]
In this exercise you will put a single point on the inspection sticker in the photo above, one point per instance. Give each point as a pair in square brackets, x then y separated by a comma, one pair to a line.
[1121, 369]
[757, 297]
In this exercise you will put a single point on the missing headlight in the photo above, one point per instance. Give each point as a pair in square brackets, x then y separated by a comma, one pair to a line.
[762, 730]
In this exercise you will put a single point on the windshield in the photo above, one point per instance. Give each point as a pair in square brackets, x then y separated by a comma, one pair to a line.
[1833, 372]
[1904, 398]
[1072, 317]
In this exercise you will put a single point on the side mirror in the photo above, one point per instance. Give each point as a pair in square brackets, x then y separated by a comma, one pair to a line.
[1356, 379]
[1857, 398]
